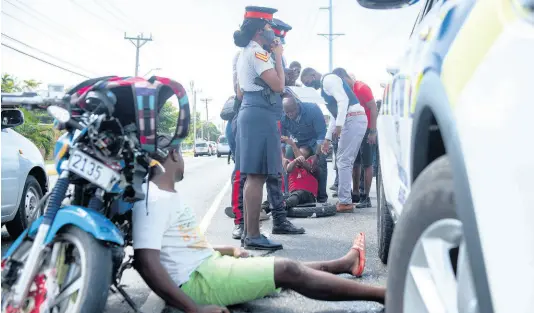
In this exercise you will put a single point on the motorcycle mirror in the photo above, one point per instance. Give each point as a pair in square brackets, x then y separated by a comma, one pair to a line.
[59, 113]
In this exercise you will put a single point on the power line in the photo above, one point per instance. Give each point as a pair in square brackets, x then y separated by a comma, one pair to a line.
[123, 20]
[39, 59]
[47, 54]
[97, 16]
[138, 42]
[38, 15]
[24, 23]
[330, 36]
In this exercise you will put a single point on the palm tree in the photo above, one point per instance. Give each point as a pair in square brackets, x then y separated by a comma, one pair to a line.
[9, 83]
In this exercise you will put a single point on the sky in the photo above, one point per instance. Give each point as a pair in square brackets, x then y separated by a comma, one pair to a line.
[192, 40]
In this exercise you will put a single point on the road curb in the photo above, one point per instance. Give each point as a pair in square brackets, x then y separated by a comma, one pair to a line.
[51, 172]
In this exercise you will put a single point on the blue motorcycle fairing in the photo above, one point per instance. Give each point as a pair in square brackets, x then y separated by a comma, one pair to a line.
[86, 219]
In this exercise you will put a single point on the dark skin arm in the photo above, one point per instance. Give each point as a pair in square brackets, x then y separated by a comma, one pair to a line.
[239, 92]
[291, 166]
[293, 145]
[147, 263]
[275, 78]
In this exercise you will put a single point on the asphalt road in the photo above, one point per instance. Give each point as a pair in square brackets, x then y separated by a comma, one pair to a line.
[206, 188]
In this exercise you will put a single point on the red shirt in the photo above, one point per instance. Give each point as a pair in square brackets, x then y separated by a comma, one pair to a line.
[301, 179]
[364, 95]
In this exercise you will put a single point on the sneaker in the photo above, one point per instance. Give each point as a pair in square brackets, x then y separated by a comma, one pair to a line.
[334, 194]
[261, 243]
[229, 211]
[333, 187]
[344, 207]
[238, 231]
[365, 203]
[264, 216]
[355, 198]
[287, 228]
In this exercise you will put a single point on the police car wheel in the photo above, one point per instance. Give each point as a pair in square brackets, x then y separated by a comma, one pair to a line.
[384, 220]
[428, 229]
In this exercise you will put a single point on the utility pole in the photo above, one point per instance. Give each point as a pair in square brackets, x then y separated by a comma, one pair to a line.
[194, 92]
[330, 36]
[206, 100]
[138, 42]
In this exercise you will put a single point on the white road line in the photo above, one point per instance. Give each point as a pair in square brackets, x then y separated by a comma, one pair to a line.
[155, 304]
[206, 220]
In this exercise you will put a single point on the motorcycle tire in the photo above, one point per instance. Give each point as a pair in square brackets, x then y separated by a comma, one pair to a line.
[312, 210]
[98, 269]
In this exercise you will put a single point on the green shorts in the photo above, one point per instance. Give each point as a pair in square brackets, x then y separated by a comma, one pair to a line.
[225, 280]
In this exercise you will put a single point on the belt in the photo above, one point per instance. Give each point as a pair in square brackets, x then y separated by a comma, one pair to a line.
[355, 113]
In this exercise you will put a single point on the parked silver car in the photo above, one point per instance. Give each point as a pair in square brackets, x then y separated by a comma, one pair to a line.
[222, 146]
[24, 179]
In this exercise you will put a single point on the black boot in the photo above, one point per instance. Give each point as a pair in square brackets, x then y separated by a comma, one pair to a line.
[229, 211]
[266, 206]
[238, 231]
[261, 243]
[365, 202]
[285, 227]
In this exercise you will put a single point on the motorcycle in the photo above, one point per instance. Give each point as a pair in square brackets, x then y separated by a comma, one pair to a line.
[71, 256]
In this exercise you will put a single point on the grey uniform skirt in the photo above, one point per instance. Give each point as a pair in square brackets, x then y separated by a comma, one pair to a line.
[258, 138]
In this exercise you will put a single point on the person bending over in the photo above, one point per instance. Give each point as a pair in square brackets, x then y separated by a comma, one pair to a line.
[302, 171]
[175, 260]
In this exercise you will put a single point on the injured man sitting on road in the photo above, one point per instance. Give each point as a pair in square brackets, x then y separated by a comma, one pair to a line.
[181, 267]
[303, 174]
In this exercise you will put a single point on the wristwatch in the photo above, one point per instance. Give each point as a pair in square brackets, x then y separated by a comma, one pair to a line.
[372, 131]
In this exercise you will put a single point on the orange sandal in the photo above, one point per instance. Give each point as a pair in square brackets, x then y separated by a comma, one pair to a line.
[359, 245]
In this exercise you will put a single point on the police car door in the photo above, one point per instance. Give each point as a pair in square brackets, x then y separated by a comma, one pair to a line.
[398, 177]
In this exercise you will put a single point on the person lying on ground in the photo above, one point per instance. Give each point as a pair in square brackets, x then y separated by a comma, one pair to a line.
[175, 260]
[303, 174]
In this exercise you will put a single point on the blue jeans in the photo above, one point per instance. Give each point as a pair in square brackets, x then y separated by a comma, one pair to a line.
[230, 136]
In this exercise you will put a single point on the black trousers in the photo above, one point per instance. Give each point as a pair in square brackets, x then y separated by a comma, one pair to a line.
[299, 197]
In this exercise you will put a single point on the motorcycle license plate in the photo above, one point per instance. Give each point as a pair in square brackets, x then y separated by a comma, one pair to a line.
[93, 170]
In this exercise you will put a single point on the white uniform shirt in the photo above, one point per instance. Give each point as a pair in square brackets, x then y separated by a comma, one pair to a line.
[172, 228]
[333, 86]
[234, 69]
[252, 62]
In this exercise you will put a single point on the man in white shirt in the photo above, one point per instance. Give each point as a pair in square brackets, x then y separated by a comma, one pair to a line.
[179, 265]
[349, 123]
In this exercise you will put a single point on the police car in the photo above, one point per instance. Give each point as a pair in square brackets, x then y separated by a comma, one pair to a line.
[454, 185]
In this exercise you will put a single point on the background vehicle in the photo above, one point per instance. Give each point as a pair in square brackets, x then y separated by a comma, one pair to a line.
[202, 148]
[222, 146]
[213, 147]
[24, 179]
[452, 98]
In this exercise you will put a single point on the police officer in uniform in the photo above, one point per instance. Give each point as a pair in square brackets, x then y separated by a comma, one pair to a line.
[258, 153]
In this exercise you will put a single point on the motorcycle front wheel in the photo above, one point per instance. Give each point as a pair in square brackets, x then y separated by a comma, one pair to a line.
[83, 272]
[75, 275]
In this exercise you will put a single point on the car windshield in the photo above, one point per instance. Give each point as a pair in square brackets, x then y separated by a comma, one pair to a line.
[223, 140]
[201, 145]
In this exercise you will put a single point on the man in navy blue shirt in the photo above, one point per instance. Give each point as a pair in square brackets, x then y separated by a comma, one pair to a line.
[305, 123]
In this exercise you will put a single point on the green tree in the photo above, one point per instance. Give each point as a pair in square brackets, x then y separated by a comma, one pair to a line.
[41, 135]
[167, 118]
[11, 84]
